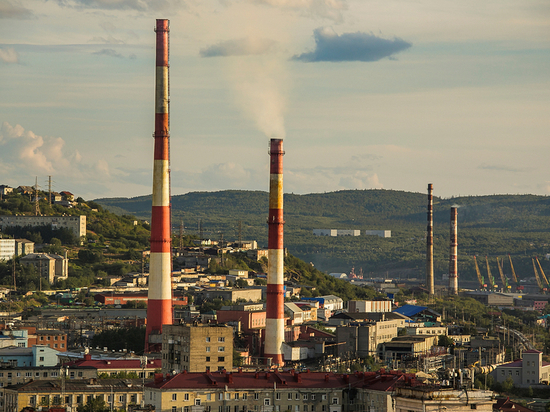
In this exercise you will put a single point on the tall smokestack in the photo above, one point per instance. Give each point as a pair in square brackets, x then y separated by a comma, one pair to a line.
[453, 266]
[159, 304]
[430, 243]
[274, 327]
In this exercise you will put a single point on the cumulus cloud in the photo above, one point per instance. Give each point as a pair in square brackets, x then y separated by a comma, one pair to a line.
[239, 47]
[108, 52]
[328, 9]
[364, 47]
[137, 5]
[26, 153]
[9, 55]
[9, 10]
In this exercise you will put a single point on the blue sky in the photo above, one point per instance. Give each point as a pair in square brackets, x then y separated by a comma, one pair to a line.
[390, 94]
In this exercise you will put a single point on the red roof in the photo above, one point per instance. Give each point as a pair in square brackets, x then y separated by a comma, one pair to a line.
[506, 405]
[514, 364]
[284, 379]
[87, 362]
[532, 351]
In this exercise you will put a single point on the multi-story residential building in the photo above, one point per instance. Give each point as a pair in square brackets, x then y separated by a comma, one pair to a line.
[248, 294]
[16, 338]
[23, 247]
[367, 332]
[7, 249]
[16, 375]
[38, 355]
[430, 399]
[50, 266]
[53, 338]
[365, 306]
[530, 370]
[63, 393]
[76, 224]
[197, 347]
[272, 391]
[141, 367]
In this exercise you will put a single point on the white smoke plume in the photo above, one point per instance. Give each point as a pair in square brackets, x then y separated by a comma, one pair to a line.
[260, 87]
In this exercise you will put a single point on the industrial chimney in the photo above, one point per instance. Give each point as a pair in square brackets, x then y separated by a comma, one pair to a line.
[453, 266]
[430, 243]
[274, 327]
[159, 302]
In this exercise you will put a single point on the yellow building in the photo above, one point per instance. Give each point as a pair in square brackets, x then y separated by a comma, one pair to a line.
[71, 393]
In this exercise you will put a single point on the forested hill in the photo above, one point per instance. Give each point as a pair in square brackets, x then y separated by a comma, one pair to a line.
[488, 225]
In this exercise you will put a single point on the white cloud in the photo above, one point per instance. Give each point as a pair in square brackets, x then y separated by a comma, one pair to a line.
[9, 55]
[28, 154]
[239, 47]
[327, 9]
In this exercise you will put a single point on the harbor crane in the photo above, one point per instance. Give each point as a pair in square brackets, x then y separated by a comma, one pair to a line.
[504, 279]
[539, 281]
[489, 276]
[482, 284]
[518, 286]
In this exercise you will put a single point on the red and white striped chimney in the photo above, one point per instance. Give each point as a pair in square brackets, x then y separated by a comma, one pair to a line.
[453, 264]
[430, 243]
[159, 302]
[274, 327]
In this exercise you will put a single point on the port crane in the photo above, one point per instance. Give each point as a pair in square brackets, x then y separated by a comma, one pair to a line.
[518, 286]
[542, 271]
[489, 276]
[482, 284]
[539, 281]
[504, 279]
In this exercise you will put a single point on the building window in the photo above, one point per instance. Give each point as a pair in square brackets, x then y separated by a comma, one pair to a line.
[227, 396]
[335, 401]
[208, 396]
[323, 408]
[28, 374]
[221, 349]
[208, 359]
[236, 396]
[174, 409]
[185, 396]
[208, 348]
[220, 396]
[80, 374]
[221, 359]
[174, 396]
[221, 339]
[197, 402]
[297, 396]
[473, 406]
[312, 396]
[305, 408]
[289, 396]
[256, 396]
[245, 396]
[208, 338]
[267, 402]
[41, 359]
[304, 397]
[62, 345]
[278, 396]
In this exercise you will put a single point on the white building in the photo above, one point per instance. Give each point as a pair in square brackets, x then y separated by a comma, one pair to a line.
[379, 233]
[530, 370]
[348, 232]
[369, 306]
[7, 249]
[76, 224]
[325, 232]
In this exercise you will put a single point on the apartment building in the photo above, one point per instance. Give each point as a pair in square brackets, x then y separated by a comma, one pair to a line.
[197, 347]
[76, 224]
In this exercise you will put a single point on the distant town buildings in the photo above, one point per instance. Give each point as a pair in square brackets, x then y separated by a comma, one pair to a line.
[76, 224]
[51, 267]
[351, 232]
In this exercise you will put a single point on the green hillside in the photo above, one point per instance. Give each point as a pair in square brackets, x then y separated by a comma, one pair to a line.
[487, 225]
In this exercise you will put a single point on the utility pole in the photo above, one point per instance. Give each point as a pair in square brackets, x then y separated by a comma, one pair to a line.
[36, 205]
[14, 284]
[240, 234]
[50, 190]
